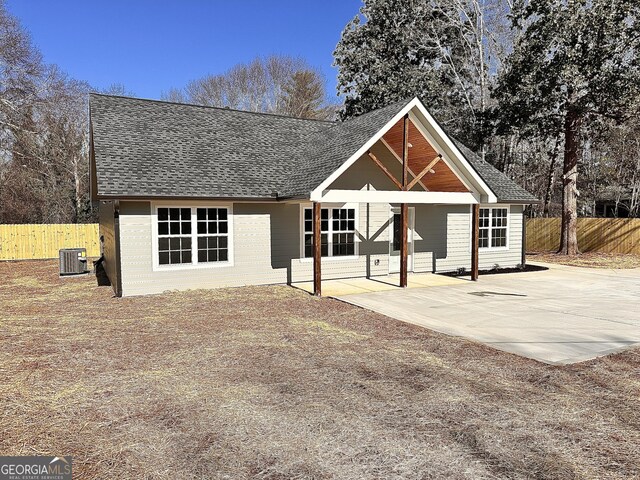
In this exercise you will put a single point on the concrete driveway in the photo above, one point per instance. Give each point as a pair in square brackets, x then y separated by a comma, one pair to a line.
[561, 315]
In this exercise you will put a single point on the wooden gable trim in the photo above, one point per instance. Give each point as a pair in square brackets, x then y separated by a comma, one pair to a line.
[397, 157]
[384, 169]
[426, 170]
[418, 114]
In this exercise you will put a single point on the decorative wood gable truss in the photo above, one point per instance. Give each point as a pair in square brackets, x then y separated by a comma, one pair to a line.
[425, 165]
[428, 159]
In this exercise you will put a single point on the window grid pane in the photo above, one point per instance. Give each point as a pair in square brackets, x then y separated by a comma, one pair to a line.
[213, 233]
[343, 244]
[483, 233]
[174, 247]
[174, 221]
[337, 225]
[499, 227]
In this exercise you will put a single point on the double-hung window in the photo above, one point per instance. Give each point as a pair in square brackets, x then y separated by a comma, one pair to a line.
[174, 236]
[493, 223]
[213, 235]
[337, 232]
[192, 236]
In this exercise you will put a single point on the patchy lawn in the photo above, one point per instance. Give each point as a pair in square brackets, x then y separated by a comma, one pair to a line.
[591, 259]
[269, 382]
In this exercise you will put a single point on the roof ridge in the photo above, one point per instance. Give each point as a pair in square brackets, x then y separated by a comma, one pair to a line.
[224, 109]
[404, 101]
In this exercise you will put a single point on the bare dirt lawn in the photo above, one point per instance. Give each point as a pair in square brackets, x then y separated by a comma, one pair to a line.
[269, 382]
[590, 259]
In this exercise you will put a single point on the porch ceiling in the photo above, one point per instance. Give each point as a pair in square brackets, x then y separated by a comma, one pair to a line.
[421, 153]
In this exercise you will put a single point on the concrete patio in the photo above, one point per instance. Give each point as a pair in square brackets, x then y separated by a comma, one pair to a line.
[562, 315]
[351, 286]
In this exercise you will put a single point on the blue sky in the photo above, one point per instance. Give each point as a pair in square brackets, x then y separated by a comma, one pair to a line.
[150, 46]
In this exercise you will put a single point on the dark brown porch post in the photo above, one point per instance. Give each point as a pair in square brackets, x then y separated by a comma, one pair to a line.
[317, 286]
[475, 234]
[404, 267]
[404, 208]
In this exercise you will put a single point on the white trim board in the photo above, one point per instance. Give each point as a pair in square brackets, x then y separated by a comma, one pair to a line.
[397, 196]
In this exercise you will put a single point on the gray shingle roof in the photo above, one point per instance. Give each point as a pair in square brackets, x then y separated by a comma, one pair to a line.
[504, 188]
[148, 148]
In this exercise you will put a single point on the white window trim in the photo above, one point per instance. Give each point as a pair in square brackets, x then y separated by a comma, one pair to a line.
[491, 206]
[194, 265]
[356, 238]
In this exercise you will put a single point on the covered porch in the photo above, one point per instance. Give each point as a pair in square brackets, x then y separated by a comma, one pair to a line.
[421, 169]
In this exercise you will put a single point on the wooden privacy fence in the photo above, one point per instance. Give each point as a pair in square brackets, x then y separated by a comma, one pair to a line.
[608, 235]
[29, 242]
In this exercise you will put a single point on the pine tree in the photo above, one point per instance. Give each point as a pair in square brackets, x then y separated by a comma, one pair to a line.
[387, 55]
[573, 61]
[445, 52]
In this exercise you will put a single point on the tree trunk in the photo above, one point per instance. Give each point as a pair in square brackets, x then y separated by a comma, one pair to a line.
[77, 197]
[569, 237]
[550, 179]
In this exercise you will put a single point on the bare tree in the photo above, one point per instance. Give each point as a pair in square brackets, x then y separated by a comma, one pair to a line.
[303, 96]
[174, 95]
[276, 84]
[43, 135]
[471, 45]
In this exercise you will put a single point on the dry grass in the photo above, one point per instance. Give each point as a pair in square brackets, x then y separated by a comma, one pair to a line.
[590, 259]
[272, 383]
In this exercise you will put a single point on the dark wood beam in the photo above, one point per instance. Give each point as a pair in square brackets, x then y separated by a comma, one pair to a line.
[475, 235]
[404, 245]
[405, 151]
[523, 262]
[404, 208]
[385, 170]
[424, 171]
[317, 252]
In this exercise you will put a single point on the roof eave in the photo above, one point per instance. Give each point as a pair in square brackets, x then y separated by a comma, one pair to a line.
[187, 197]
[520, 202]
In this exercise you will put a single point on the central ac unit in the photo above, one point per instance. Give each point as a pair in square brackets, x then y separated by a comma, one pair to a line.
[73, 261]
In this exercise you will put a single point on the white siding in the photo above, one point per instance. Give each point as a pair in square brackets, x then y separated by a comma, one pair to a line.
[373, 239]
[512, 257]
[445, 232]
[255, 260]
[267, 247]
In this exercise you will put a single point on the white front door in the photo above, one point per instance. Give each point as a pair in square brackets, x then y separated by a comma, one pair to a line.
[395, 228]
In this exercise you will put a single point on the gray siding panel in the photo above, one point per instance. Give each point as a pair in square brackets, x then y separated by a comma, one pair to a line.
[445, 230]
[267, 247]
[512, 257]
[254, 263]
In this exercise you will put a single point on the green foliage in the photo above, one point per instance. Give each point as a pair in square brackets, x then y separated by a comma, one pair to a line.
[576, 55]
[445, 52]
[387, 54]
